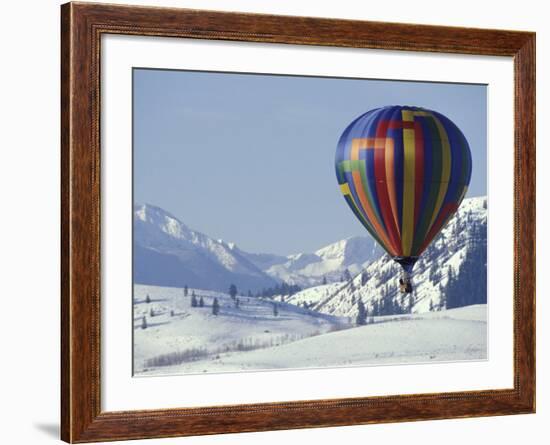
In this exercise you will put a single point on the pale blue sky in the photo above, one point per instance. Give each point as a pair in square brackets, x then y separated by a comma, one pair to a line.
[250, 158]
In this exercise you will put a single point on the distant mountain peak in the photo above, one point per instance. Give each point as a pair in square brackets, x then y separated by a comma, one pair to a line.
[162, 219]
[169, 253]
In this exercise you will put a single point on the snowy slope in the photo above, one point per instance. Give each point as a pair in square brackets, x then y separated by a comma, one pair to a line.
[174, 328]
[329, 262]
[167, 252]
[313, 295]
[453, 335]
[459, 252]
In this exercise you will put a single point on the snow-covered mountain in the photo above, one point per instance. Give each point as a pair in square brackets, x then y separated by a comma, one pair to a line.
[328, 263]
[168, 253]
[451, 273]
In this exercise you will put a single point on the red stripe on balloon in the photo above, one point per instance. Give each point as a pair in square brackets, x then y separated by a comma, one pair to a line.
[382, 187]
[397, 124]
[444, 215]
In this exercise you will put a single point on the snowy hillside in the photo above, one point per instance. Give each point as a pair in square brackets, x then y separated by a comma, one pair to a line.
[168, 330]
[168, 253]
[450, 273]
[330, 262]
[415, 339]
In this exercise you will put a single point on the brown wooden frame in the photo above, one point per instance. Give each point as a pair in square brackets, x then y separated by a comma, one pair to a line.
[82, 25]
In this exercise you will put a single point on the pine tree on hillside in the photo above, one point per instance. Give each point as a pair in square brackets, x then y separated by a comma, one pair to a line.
[375, 308]
[148, 299]
[364, 278]
[144, 322]
[152, 312]
[233, 291]
[215, 307]
[275, 310]
[193, 300]
[434, 274]
[361, 318]
[201, 302]
[347, 275]
[324, 280]
[185, 290]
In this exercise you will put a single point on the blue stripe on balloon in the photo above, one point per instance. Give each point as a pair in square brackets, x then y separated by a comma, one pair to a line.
[398, 156]
[428, 161]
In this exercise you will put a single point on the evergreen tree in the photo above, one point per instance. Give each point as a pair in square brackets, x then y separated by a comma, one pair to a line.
[233, 291]
[364, 278]
[361, 313]
[193, 300]
[148, 299]
[324, 280]
[347, 275]
[201, 302]
[215, 307]
[376, 308]
[434, 275]
[152, 312]
[144, 322]
[237, 303]
[275, 310]
[431, 305]
[185, 290]
[171, 312]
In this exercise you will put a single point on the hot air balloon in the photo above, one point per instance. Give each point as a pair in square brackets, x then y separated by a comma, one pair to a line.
[403, 172]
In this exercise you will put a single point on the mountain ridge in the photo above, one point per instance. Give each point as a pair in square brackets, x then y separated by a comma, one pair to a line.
[167, 252]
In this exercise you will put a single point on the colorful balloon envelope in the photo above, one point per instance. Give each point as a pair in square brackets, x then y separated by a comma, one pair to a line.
[403, 172]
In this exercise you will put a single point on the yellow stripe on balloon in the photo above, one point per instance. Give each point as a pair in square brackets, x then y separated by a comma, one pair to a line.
[409, 148]
[445, 169]
[390, 180]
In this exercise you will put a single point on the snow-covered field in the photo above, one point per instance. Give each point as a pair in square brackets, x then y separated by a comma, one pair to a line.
[175, 331]
[252, 337]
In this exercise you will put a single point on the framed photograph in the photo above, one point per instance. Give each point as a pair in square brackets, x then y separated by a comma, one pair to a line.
[274, 222]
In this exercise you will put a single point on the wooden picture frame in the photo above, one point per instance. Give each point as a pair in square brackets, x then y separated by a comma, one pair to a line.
[82, 26]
